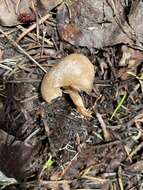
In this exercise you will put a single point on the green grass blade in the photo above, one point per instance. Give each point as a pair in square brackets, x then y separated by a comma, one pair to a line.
[119, 105]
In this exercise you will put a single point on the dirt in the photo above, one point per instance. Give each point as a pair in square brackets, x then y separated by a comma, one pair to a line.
[51, 146]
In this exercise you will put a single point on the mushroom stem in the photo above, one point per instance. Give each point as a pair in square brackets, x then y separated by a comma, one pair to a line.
[77, 100]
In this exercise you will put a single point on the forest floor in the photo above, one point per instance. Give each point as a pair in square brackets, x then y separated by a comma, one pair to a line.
[51, 146]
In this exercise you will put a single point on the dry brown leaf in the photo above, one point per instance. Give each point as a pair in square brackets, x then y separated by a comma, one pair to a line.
[10, 11]
[100, 23]
[88, 18]
[14, 12]
[131, 58]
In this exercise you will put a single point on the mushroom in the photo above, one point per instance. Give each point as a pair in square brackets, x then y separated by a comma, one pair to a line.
[74, 73]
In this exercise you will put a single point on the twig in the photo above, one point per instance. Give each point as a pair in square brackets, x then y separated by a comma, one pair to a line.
[22, 50]
[137, 118]
[31, 136]
[32, 27]
[22, 80]
[139, 147]
[69, 165]
[120, 178]
[46, 182]
[5, 67]
[103, 126]
[33, 36]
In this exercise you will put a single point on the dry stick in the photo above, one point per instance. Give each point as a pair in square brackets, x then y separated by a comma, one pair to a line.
[139, 147]
[33, 36]
[69, 165]
[103, 126]
[22, 50]
[46, 182]
[32, 27]
[120, 180]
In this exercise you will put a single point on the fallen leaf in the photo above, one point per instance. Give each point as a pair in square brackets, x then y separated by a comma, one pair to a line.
[17, 161]
[100, 23]
[10, 11]
[131, 59]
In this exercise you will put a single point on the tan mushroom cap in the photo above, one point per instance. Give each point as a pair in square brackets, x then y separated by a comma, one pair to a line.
[74, 73]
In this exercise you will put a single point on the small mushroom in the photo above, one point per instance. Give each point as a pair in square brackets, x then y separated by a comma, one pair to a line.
[74, 73]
